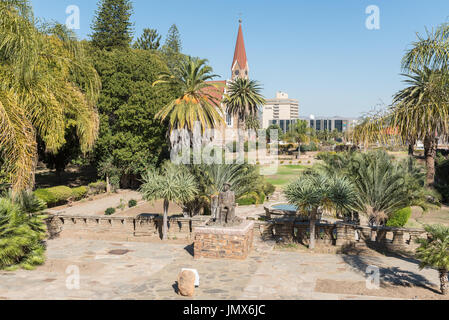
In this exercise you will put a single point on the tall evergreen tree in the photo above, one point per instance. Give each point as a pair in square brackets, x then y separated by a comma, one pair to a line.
[149, 40]
[173, 42]
[111, 25]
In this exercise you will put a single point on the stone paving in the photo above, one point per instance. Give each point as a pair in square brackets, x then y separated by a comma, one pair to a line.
[110, 270]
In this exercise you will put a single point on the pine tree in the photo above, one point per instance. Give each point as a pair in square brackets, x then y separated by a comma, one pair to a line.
[173, 41]
[112, 26]
[149, 40]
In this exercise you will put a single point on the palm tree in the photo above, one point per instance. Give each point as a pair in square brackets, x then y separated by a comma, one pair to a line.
[196, 101]
[421, 111]
[383, 185]
[243, 99]
[434, 253]
[46, 79]
[243, 178]
[171, 184]
[22, 230]
[300, 133]
[315, 191]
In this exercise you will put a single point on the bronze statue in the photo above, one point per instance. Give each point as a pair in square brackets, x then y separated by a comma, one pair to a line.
[226, 206]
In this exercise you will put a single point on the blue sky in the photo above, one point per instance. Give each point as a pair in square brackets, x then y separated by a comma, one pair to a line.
[318, 51]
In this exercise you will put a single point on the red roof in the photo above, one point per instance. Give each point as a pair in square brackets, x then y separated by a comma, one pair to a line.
[216, 93]
[240, 51]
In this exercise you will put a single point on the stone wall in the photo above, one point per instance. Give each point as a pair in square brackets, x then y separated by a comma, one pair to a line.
[289, 230]
[120, 228]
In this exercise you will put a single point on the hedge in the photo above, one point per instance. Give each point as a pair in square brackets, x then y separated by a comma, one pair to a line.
[54, 196]
[400, 218]
[97, 187]
[79, 193]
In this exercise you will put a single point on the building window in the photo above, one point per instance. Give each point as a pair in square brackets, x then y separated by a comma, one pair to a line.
[228, 120]
[318, 125]
[339, 125]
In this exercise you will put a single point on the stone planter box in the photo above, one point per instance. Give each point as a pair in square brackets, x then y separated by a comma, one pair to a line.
[224, 243]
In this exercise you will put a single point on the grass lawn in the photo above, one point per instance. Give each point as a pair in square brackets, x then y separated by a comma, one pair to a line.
[285, 174]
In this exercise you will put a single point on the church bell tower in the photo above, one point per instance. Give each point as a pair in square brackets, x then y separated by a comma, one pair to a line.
[240, 67]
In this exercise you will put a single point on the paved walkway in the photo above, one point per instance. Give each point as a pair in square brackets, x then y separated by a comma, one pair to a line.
[111, 270]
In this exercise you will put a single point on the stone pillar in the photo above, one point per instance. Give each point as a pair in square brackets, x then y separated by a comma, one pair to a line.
[398, 240]
[341, 235]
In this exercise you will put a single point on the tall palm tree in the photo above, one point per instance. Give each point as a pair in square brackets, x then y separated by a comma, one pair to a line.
[196, 101]
[300, 133]
[171, 184]
[434, 253]
[242, 100]
[45, 79]
[421, 111]
[315, 191]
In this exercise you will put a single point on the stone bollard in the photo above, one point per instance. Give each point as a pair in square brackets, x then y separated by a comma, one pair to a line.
[186, 283]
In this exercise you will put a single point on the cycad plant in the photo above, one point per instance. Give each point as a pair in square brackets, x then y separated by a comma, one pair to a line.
[45, 79]
[315, 190]
[434, 253]
[22, 231]
[172, 184]
[383, 184]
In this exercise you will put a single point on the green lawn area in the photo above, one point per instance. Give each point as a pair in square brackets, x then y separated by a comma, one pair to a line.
[285, 174]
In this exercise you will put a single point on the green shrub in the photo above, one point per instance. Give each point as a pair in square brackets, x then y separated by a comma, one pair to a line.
[400, 218]
[249, 199]
[97, 187]
[269, 189]
[109, 211]
[21, 243]
[132, 203]
[54, 196]
[262, 198]
[79, 193]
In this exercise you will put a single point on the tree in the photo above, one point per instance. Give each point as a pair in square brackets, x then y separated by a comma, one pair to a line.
[315, 191]
[242, 100]
[300, 133]
[383, 185]
[434, 253]
[252, 123]
[173, 42]
[195, 101]
[274, 127]
[129, 132]
[243, 178]
[112, 27]
[46, 79]
[22, 230]
[171, 184]
[149, 40]
[421, 111]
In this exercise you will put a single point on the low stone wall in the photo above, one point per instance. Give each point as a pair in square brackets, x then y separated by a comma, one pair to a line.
[139, 229]
[340, 234]
[224, 243]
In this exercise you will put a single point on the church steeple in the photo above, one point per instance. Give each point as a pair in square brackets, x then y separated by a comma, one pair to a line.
[240, 66]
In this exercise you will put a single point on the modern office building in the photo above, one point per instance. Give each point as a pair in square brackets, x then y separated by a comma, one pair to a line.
[281, 110]
[341, 124]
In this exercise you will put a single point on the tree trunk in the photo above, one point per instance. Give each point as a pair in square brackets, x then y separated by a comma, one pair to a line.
[411, 149]
[312, 230]
[241, 148]
[430, 153]
[108, 185]
[165, 221]
[444, 281]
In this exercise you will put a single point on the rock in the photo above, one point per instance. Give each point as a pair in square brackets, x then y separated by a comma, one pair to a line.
[186, 283]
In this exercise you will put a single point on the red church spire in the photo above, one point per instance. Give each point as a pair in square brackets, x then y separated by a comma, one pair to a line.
[240, 52]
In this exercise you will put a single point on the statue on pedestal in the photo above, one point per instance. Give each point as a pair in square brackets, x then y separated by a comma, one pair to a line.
[225, 208]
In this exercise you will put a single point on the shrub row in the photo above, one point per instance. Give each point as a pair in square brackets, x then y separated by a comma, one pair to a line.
[400, 218]
[60, 195]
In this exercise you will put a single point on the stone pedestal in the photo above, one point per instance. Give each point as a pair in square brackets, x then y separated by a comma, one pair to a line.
[224, 243]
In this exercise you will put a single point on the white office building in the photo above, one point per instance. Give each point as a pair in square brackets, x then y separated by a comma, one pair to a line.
[281, 111]
[341, 124]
